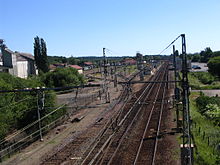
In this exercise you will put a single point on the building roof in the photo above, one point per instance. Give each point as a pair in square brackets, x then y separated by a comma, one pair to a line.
[76, 67]
[8, 50]
[52, 66]
[24, 55]
[88, 63]
[60, 65]
[129, 61]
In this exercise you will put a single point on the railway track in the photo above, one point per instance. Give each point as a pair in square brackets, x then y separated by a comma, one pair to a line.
[131, 137]
[120, 146]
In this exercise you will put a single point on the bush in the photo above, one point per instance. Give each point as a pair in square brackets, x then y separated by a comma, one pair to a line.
[214, 66]
[203, 77]
[209, 106]
[62, 77]
[19, 109]
[212, 111]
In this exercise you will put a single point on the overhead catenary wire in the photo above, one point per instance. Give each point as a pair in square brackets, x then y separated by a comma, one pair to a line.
[29, 136]
[47, 89]
[170, 44]
[31, 124]
[25, 99]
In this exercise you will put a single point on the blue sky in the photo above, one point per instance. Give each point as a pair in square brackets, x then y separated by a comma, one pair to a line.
[84, 27]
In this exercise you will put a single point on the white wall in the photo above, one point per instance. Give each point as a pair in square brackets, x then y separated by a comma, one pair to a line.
[80, 71]
[22, 67]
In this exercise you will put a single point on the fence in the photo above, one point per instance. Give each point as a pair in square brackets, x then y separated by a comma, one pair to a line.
[210, 138]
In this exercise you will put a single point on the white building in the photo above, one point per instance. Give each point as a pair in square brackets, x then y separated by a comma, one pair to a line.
[16, 63]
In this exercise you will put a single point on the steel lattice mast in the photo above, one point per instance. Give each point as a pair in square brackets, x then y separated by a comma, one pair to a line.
[186, 147]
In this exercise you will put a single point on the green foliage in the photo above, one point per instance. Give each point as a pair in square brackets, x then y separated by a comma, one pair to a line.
[206, 54]
[212, 111]
[196, 58]
[209, 106]
[19, 109]
[203, 77]
[203, 56]
[40, 54]
[204, 153]
[203, 80]
[62, 77]
[214, 66]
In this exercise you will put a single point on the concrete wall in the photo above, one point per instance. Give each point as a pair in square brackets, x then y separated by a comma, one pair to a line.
[22, 67]
[80, 71]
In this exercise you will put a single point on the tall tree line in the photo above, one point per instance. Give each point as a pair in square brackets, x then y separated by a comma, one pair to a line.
[40, 54]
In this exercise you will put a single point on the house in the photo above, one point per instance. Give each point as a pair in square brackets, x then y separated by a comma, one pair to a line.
[17, 63]
[87, 65]
[129, 62]
[54, 66]
[77, 67]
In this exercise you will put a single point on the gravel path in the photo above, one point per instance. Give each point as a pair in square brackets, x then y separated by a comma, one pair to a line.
[209, 92]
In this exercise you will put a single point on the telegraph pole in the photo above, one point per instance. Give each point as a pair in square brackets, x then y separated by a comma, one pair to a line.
[140, 65]
[176, 90]
[174, 64]
[186, 147]
[115, 78]
[40, 107]
[107, 95]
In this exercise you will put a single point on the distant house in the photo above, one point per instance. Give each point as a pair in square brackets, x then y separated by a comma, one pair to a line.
[77, 67]
[17, 63]
[87, 65]
[129, 62]
[52, 67]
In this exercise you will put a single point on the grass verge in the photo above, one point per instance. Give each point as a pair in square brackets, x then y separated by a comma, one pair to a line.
[206, 136]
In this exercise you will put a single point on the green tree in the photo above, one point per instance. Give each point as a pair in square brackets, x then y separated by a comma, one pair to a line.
[206, 54]
[44, 60]
[214, 66]
[62, 77]
[40, 54]
[37, 51]
[196, 57]
[72, 61]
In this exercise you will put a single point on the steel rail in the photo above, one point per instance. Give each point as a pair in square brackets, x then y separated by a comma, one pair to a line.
[128, 128]
[158, 127]
[121, 122]
[146, 128]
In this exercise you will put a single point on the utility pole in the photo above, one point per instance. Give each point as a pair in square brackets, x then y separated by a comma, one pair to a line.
[140, 65]
[176, 90]
[115, 78]
[107, 95]
[186, 147]
[40, 107]
[174, 64]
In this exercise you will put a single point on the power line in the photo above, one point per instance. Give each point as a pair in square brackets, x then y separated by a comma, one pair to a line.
[170, 44]
[46, 89]
[17, 102]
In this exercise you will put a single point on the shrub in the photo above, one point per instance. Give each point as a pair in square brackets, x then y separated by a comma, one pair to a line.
[19, 109]
[62, 77]
[212, 111]
[214, 66]
[203, 77]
